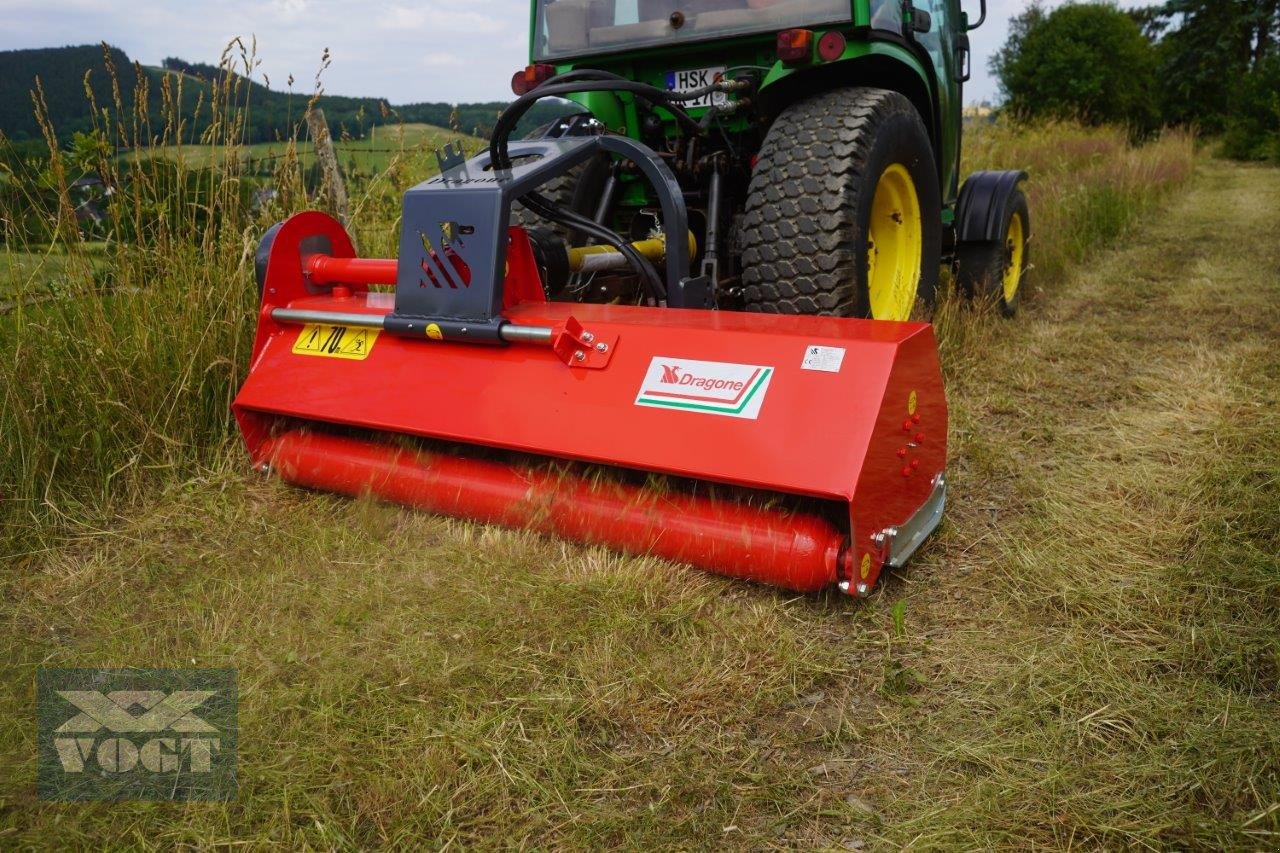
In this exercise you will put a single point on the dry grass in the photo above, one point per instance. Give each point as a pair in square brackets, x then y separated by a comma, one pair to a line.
[1087, 655]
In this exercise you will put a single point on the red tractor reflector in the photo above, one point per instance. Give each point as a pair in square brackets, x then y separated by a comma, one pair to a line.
[795, 45]
[831, 46]
[530, 77]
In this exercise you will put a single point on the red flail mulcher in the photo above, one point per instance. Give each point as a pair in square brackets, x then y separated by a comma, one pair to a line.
[452, 391]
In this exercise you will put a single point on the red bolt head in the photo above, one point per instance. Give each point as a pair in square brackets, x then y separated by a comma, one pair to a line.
[915, 419]
[906, 425]
[915, 463]
[906, 472]
[919, 438]
[902, 453]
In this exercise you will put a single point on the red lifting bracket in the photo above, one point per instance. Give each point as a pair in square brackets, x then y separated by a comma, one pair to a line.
[578, 347]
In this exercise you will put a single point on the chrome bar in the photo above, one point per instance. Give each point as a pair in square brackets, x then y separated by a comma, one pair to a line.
[332, 318]
[510, 332]
[513, 334]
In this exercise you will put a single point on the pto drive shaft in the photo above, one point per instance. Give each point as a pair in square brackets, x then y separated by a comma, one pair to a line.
[558, 260]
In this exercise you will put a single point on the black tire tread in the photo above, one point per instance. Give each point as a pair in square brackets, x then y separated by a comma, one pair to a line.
[797, 226]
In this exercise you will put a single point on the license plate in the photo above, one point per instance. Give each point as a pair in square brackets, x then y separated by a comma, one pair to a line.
[697, 78]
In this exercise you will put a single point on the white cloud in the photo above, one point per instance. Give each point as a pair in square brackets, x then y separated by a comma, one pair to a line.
[442, 60]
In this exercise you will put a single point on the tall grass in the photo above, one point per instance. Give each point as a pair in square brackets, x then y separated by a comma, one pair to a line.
[1087, 185]
[1086, 188]
[121, 355]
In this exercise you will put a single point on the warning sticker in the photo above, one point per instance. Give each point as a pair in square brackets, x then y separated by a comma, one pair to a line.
[826, 359]
[711, 387]
[335, 341]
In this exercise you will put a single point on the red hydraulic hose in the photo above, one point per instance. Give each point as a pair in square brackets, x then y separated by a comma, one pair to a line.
[796, 551]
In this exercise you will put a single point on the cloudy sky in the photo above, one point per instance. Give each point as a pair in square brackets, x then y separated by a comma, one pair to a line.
[424, 50]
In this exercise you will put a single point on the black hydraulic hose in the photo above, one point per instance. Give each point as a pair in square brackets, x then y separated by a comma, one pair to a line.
[655, 289]
[590, 80]
[516, 110]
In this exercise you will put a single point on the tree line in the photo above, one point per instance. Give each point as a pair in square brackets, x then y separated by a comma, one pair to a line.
[1211, 64]
[73, 79]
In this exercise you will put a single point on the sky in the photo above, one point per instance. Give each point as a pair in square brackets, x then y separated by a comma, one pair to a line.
[425, 50]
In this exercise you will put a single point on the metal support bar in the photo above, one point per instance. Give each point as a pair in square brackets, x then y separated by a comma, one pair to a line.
[511, 333]
[711, 250]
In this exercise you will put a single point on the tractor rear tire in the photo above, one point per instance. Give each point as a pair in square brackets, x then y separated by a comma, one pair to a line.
[997, 271]
[839, 173]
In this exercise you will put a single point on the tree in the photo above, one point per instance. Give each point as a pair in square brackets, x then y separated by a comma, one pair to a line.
[1215, 59]
[1088, 61]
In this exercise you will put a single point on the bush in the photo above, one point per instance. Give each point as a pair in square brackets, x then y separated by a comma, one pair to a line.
[1252, 131]
[1089, 62]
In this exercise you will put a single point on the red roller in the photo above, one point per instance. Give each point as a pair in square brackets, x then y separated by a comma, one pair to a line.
[794, 551]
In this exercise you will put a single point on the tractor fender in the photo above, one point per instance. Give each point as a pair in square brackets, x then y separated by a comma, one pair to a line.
[983, 205]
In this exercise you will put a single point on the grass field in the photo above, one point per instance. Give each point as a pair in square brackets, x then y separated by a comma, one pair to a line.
[372, 154]
[1088, 654]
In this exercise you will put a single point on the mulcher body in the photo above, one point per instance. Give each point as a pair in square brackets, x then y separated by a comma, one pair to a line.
[846, 412]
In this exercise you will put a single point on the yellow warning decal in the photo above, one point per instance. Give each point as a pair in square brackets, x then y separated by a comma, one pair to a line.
[433, 332]
[865, 568]
[912, 399]
[335, 341]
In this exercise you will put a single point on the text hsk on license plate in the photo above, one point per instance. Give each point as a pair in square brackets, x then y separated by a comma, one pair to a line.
[697, 78]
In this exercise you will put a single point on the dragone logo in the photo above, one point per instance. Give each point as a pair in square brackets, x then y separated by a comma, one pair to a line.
[709, 387]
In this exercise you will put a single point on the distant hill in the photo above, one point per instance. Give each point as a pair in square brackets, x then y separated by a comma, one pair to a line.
[273, 114]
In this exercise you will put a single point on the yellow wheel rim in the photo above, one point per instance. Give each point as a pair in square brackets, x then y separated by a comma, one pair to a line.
[1013, 246]
[894, 240]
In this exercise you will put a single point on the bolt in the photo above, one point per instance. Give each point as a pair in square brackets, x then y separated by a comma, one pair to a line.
[265, 467]
[587, 337]
[579, 355]
[602, 347]
[844, 586]
[862, 589]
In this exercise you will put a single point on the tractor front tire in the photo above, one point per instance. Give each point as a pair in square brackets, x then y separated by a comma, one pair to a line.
[995, 271]
[843, 214]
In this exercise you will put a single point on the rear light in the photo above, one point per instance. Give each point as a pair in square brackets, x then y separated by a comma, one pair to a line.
[529, 77]
[831, 46]
[795, 45]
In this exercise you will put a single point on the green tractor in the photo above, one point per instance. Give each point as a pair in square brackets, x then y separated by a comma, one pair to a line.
[816, 144]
